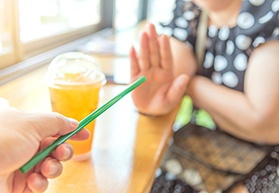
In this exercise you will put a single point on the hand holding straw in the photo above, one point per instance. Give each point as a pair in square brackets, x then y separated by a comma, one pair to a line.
[45, 152]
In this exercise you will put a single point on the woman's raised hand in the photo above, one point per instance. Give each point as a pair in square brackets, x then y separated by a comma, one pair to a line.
[162, 91]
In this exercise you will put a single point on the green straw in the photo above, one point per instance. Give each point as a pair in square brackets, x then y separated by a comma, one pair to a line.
[45, 152]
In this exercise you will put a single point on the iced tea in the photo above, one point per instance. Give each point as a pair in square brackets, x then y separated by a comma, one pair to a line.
[74, 92]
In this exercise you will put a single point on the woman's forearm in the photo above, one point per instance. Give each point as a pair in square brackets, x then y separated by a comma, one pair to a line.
[230, 109]
[253, 114]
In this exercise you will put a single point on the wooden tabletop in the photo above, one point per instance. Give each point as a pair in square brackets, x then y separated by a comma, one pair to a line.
[127, 147]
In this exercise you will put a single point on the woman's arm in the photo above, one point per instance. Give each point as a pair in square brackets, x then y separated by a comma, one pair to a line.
[254, 114]
[167, 78]
[183, 58]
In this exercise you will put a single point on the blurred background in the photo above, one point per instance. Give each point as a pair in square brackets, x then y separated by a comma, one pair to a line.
[34, 31]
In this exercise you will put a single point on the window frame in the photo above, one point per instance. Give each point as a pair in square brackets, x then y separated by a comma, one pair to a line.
[22, 51]
[39, 46]
[12, 18]
[143, 9]
[32, 55]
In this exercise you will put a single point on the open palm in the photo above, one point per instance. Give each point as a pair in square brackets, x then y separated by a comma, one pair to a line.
[162, 91]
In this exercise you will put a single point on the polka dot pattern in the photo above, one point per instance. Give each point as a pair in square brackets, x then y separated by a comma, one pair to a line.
[168, 31]
[208, 60]
[224, 33]
[228, 49]
[230, 79]
[240, 62]
[220, 63]
[243, 42]
[245, 20]
[266, 18]
[275, 6]
[259, 40]
[256, 2]
[181, 22]
[180, 34]
[189, 15]
[217, 78]
[212, 32]
[276, 32]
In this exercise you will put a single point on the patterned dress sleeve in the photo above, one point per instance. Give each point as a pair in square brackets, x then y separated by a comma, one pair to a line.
[184, 22]
[228, 48]
[259, 20]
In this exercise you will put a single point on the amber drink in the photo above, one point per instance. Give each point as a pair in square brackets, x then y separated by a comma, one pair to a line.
[75, 81]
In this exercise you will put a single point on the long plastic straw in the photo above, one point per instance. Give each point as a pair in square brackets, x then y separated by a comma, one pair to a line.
[45, 152]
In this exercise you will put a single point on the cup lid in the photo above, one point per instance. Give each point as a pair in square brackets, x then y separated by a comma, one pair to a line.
[74, 68]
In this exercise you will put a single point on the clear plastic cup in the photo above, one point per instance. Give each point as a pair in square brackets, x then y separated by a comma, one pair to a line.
[75, 80]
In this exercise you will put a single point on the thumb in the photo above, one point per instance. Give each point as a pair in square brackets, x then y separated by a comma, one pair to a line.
[178, 88]
[50, 124]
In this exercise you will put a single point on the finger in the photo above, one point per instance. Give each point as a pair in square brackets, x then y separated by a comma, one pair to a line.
[63, 152]
[81, 135]
[153, 45]
[20, 181]
[178, 88]
[49, 124]
[165, 52]
[44, 143]
[36, 183]
[51, 168]
[144, 62]
[134, 62]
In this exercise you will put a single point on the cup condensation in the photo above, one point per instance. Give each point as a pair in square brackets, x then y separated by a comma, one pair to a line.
[75, 80]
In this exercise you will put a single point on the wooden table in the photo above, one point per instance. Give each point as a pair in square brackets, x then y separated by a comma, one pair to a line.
[127, 147]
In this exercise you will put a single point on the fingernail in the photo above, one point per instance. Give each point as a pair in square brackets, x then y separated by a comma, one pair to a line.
[38, 182]
[67, 153]
[53, 169]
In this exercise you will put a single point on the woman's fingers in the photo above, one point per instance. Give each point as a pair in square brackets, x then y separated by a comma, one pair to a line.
[153, 45]
[165, 52]
[144, 62]
[134, 63]
[177, 89]
[154, 52]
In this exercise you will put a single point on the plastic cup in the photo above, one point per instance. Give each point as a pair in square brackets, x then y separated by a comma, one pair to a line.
[75, 80]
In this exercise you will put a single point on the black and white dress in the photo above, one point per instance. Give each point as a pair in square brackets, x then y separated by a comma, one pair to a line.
[227, 49]
[226, 58]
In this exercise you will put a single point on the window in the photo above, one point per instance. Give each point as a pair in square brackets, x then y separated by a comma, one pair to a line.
[32, 27]
[126, 14]
[8, 52]
[160, 10]
[53, 17]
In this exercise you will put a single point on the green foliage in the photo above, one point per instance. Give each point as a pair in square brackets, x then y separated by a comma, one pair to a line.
[185, 114]
[204, 119]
